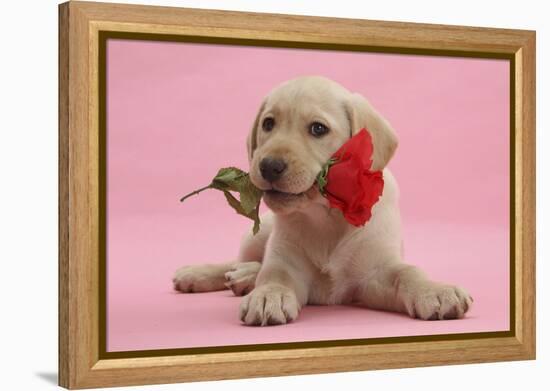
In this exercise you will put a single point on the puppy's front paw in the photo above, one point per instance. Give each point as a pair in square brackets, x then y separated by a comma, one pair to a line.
[242, 277]
[269, 304]
[433, 301]
[199, 278]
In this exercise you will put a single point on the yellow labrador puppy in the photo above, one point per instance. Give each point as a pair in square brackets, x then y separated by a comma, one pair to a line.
[306, 252]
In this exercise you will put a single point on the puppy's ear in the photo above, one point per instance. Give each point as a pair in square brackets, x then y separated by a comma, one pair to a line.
[252, 139]
[362, 115]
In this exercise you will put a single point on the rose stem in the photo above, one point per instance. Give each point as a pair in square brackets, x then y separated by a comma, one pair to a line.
[194, 192]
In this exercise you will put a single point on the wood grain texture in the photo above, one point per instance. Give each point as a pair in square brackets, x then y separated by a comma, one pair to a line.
[79, 27]
[63, 304]
[123, 17]
[527, 133]
[78, 282]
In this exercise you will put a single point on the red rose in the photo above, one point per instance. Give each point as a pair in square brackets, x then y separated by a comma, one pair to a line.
[350, 185]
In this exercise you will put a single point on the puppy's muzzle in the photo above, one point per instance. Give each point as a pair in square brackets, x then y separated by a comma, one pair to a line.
[272, 168]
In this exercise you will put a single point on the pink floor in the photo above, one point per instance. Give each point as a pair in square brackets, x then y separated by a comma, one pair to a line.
[178, 112]
[146, 314]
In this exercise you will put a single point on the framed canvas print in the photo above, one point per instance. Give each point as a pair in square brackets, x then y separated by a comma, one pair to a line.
[251, 195]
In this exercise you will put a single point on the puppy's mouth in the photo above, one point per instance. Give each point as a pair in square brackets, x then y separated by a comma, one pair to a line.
[281, 195]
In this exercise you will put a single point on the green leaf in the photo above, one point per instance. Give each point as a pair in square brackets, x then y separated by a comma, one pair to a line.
[322, 176]
[232, 179]
[234, 203]
[256, 218]
[229, 178]
[252, 214]
[250, 196]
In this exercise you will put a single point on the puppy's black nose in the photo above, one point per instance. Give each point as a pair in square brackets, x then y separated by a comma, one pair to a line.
[272, 169]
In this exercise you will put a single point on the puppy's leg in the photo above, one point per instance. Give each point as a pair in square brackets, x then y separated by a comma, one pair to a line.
[239, 275]
[405, 288]
[241, 278]
[201, 278]
[282, 288]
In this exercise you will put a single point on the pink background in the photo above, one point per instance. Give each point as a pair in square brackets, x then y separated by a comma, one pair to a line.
[177, 112]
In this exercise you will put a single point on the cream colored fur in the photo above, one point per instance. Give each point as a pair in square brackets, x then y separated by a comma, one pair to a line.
[306, 253]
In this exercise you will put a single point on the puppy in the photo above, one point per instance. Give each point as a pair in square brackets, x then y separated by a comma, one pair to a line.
[306, 252]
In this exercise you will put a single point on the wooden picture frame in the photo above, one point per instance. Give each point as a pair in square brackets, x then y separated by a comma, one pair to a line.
[82, 29]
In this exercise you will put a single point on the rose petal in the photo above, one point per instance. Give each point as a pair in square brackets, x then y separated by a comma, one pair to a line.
[351, 186]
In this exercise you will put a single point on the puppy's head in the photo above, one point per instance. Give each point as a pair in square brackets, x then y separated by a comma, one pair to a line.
[300, 124]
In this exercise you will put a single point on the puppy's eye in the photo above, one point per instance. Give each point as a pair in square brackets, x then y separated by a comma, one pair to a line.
[317, 129]
[268, 124]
